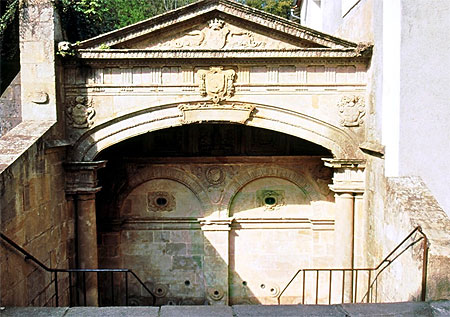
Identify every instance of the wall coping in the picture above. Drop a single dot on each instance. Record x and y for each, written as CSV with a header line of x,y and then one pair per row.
x,y
18,140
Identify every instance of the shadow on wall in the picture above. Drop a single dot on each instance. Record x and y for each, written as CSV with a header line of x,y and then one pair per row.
x,y
158,232
214,213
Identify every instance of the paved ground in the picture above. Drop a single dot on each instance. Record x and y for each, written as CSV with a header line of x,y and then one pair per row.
x,y
437,308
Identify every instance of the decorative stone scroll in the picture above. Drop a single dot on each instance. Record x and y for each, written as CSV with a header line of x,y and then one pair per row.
x,y
351,111
235,112
216,83
80,112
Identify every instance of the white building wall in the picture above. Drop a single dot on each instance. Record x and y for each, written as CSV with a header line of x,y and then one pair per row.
x,y
411,91
424,140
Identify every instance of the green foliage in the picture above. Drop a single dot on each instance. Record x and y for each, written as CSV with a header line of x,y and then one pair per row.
x,y
9,42
8,14
103,46
83,19
281,8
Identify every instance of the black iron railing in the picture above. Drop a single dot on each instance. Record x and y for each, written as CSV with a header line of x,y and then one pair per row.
x,y
348,278
77,280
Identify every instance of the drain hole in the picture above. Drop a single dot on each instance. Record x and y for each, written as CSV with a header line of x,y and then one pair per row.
x,y
187,283
244,283
159,290
216,293
161,201
270,201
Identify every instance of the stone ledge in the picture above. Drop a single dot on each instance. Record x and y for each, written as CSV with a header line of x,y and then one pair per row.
x,y
409,203
20,139
434,308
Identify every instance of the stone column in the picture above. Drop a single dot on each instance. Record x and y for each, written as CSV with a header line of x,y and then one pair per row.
x,y
216,233
81,183
348,183
343,229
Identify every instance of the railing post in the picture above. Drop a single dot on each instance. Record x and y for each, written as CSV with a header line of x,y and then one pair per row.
x,y
70,290
84,288
303,287
424,267
56,290
126,288
317,286
112,288
329,288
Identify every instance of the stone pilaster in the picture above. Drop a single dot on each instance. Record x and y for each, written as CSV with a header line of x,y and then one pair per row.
x,y
216,233
39,32
81,183
348,183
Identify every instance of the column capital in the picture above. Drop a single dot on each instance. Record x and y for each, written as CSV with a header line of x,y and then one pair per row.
x,y
345,163
349,176
216,224
81,177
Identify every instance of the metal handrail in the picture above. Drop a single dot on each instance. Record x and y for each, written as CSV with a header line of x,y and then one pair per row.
x,y
386,262
28,256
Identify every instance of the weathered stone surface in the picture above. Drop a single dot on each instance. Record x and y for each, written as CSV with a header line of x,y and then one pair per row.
x,y
440,308
10,107
388,309
113,311
196,311
415,206
34,311
288,310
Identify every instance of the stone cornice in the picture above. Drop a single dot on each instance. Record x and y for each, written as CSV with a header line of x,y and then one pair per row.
x,y
220,54
215,224
233,8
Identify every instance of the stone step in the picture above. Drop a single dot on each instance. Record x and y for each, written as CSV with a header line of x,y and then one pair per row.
x,y
434,308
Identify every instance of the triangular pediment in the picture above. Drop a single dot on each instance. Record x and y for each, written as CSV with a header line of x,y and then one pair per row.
x,y
215,25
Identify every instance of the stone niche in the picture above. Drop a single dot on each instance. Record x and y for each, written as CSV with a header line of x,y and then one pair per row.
x,y
207,229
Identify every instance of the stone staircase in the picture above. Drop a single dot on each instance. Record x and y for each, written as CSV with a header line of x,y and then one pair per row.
x,y
434,308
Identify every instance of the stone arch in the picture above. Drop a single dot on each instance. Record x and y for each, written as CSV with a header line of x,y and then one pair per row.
x,y
245,177
342,143
148,174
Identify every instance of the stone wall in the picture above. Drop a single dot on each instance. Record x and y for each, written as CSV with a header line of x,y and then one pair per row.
x,y
10,107
270,216
409,204
36,215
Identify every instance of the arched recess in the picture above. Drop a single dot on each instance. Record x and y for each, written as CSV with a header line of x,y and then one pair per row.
x,y
147,174
248,176
342,143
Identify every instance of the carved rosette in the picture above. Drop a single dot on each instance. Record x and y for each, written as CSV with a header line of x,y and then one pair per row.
x,y
351,111
216,83
214,175
80,112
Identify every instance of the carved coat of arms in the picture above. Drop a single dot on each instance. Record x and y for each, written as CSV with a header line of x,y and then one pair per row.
x,y
216,83
351,111
81,113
